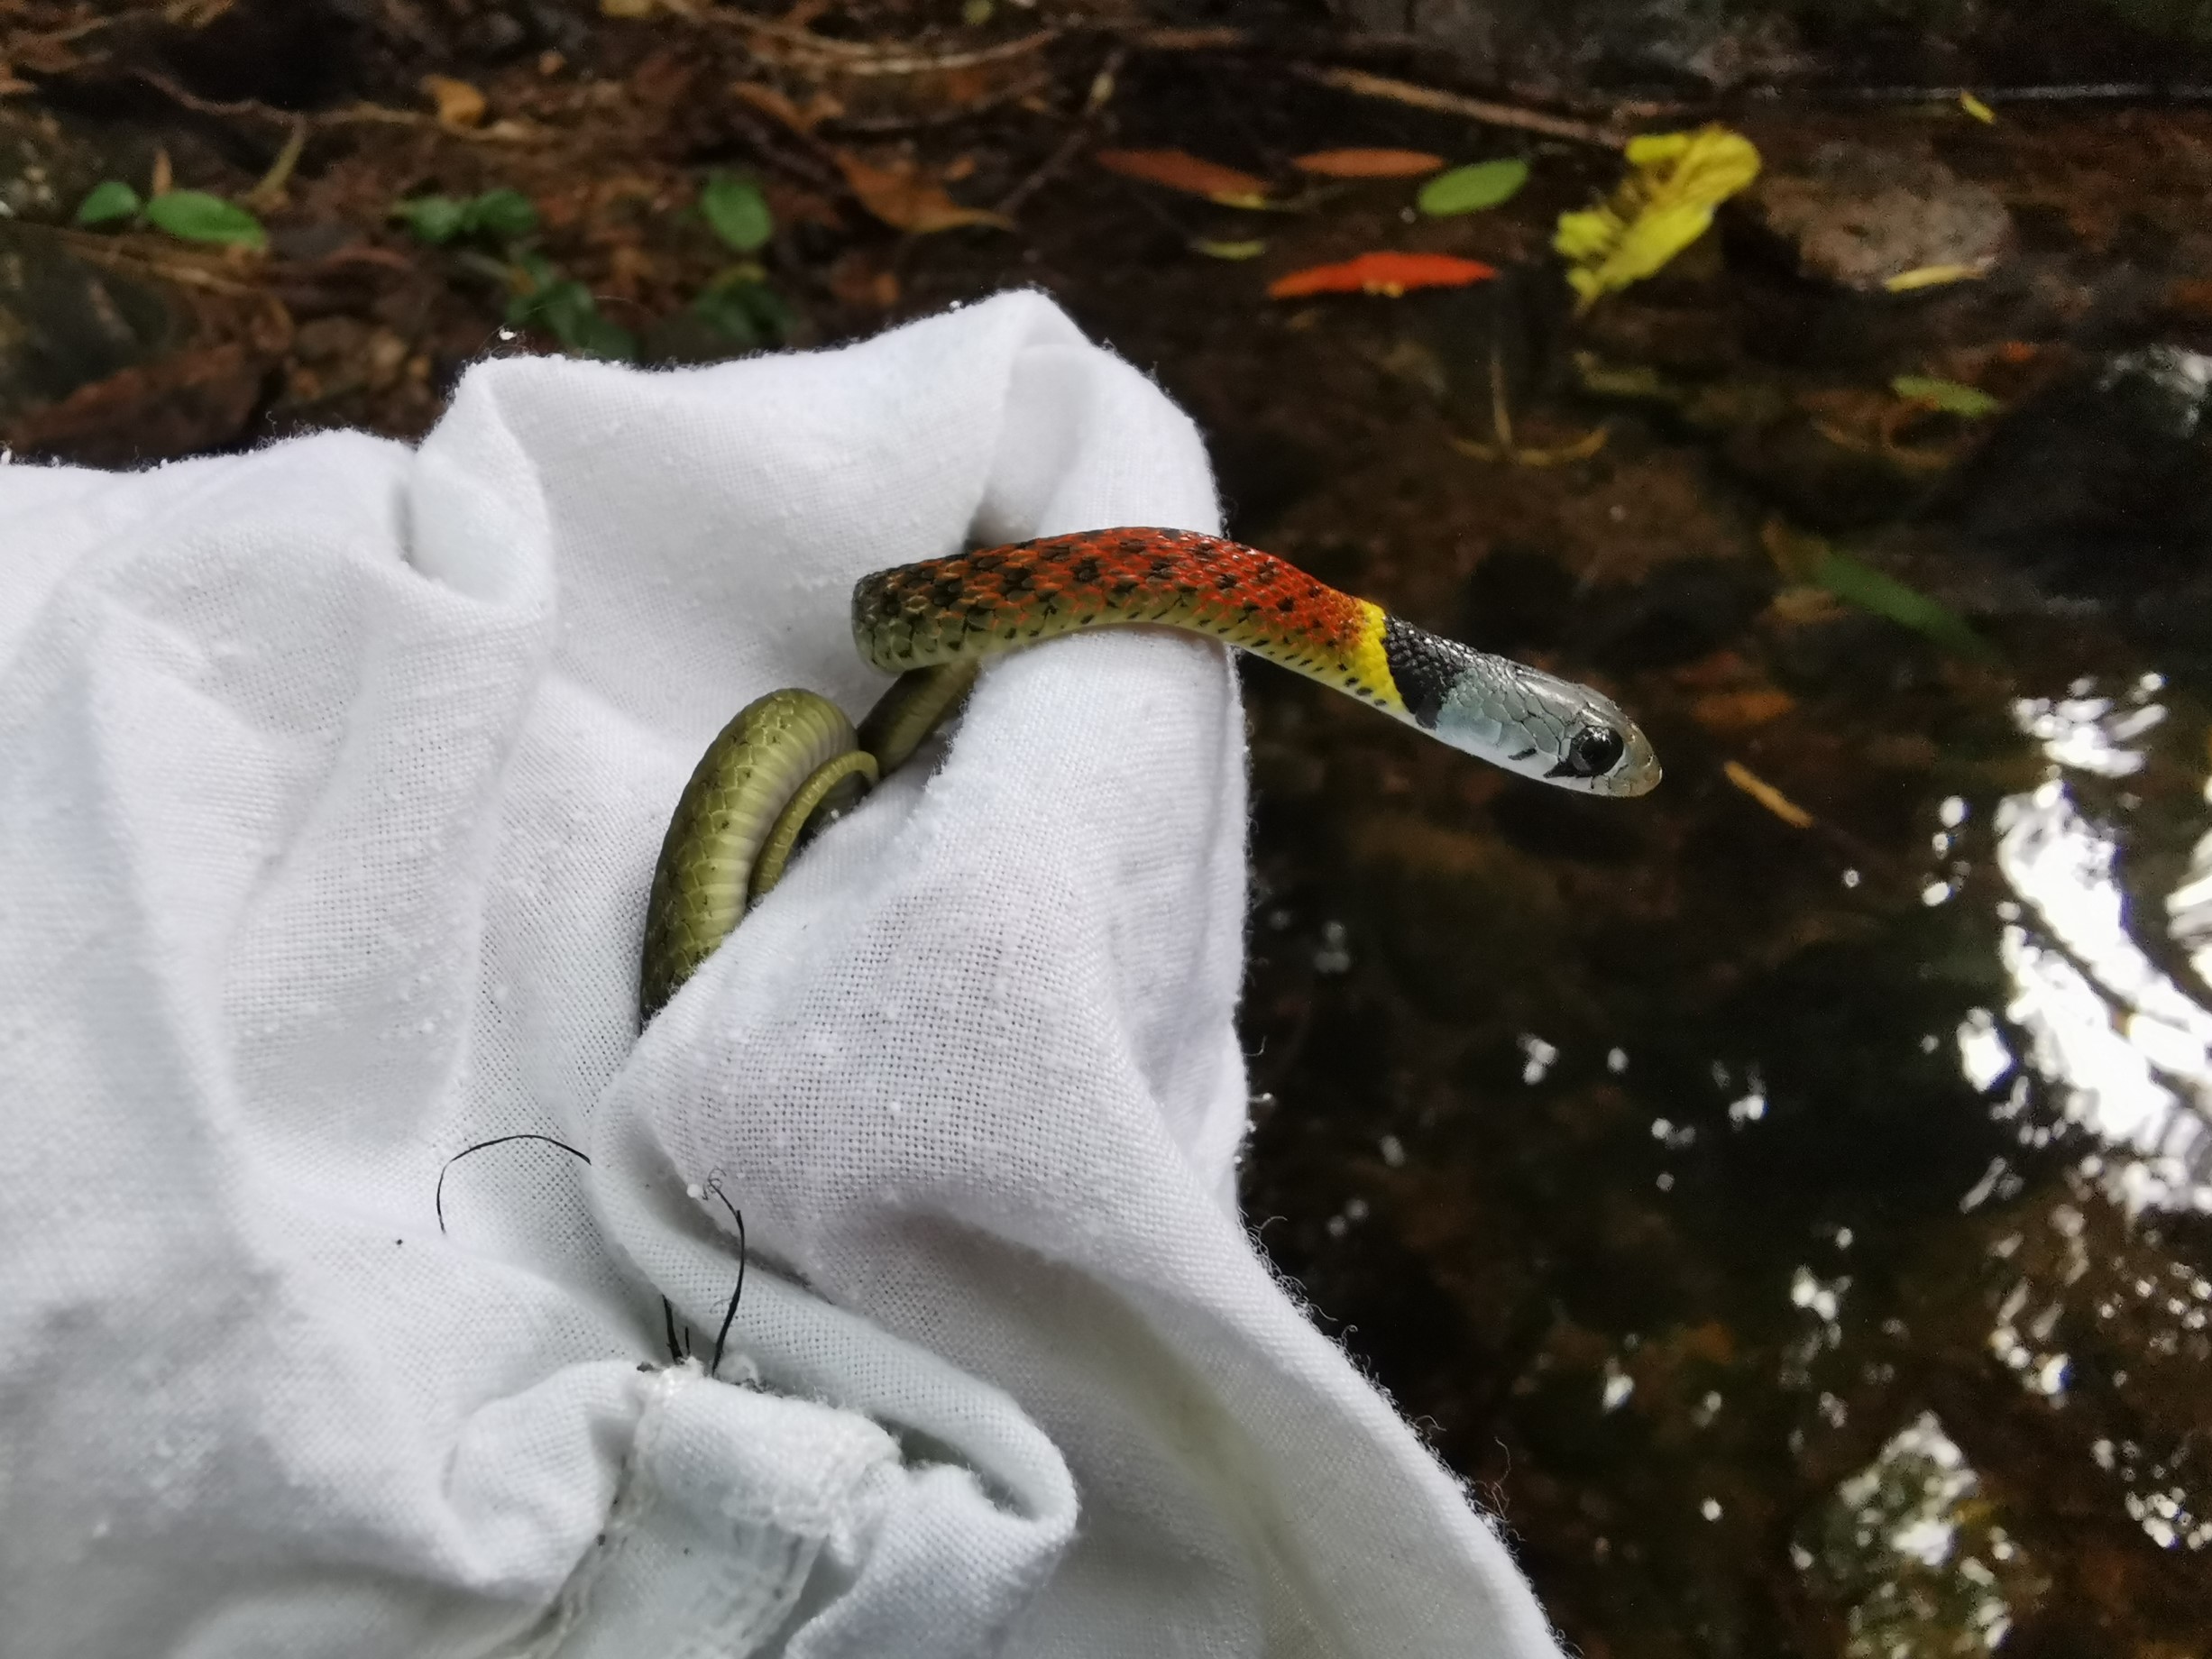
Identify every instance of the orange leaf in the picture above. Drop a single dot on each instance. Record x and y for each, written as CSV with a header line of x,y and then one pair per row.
x,y
1741,710
908,199
1369,163
1179,170
1390,274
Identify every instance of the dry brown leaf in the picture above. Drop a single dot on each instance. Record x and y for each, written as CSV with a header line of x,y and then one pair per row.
x,y
769,102
1369,163
1178,170
858,281
459,105
164,177
906,198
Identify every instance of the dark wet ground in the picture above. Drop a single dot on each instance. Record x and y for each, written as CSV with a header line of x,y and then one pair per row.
x,y
1789,1209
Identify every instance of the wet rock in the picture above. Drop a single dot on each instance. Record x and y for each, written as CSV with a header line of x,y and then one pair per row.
x,y
1851,651
65,323
1518,599
293,53
2101,488
1857,215
1797,464
44,172
187,404
1688,608
1683,42
1461,920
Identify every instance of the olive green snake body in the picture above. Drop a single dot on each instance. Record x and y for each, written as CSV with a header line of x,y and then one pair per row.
x,y
791,759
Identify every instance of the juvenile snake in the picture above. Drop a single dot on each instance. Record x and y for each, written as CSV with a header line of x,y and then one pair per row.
x,y
791,756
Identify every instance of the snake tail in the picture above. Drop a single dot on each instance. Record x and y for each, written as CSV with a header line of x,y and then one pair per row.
x,y
953,609
918,703
739,819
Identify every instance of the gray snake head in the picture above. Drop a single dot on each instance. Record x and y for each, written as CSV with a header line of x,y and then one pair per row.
x,y
1542,726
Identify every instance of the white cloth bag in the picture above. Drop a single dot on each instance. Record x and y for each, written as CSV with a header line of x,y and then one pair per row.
x,y
330,779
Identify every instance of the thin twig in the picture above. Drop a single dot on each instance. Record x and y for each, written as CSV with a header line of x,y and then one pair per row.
x,y
1094,103
110,250
270,192
353,114
879,57
1362,84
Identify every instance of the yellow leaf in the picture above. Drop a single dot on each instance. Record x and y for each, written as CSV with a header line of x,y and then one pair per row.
x,y
1229,250
459,105
1934,276
1975,107
1675,180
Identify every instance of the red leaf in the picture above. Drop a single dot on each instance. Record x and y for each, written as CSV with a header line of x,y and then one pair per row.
x,y
1390,274
1179,170
1369,163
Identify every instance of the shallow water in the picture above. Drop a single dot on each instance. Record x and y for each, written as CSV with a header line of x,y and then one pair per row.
x,y
1789,1209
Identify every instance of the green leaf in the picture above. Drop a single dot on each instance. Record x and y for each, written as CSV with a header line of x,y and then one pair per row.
x,y
1802,557
108,202
747,311
1228,250
1967,402
537,270
1470,189
564,308
595,336
1869,589
193,216
728,315
432,218
504,215
736,212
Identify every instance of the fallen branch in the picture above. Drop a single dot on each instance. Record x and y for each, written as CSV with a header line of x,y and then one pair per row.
x,y
809,50
1361,84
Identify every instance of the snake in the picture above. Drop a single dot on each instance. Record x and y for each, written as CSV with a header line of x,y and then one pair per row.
x,y
790,761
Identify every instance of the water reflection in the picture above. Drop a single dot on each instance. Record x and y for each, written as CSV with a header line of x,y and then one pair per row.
x,y
1909,1546
2127,1052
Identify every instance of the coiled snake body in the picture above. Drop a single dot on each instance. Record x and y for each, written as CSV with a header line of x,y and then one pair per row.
x,y
792,758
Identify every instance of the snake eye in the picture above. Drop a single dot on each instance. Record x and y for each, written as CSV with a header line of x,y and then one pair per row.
x,y
1593,751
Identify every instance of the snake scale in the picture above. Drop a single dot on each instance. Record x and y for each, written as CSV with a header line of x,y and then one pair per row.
x,y
791,759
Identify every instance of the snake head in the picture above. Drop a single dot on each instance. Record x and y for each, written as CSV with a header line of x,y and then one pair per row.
x,y
1545,728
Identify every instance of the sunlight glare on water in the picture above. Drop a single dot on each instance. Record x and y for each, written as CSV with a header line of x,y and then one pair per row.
x,y
2127,1049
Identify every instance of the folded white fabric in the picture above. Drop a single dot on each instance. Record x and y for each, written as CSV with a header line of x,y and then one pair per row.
x,y
330,779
